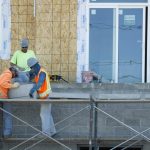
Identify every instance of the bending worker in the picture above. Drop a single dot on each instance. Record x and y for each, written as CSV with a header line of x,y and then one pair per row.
x,y
5,85
43,89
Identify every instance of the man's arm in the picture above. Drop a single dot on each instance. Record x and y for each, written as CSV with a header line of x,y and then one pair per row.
x,y
20,68
12,64
42,77
14,58
13,61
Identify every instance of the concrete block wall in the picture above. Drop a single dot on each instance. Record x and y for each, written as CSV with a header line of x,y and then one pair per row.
x,y
135,115
41,146
28,111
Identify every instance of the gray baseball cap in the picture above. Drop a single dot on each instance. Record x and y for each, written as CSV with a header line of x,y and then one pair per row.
x,y
31,62
24,42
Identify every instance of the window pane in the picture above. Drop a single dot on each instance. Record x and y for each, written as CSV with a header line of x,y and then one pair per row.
x,y
130,45
118,1
101,42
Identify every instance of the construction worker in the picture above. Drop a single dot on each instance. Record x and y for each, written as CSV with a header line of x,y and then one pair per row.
x,y
5,85
19,60
43,89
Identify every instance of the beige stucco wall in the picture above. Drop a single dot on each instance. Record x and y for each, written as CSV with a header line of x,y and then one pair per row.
x,y
52,33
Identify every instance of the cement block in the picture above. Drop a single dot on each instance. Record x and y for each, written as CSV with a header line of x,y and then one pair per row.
x,y
132,122
22,91
111,122
122,132
105,132
145,122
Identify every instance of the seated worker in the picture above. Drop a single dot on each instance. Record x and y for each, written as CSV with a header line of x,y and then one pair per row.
x,y
5,85
19,59
43,89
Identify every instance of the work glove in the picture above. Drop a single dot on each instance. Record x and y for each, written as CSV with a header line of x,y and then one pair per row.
x,y
30,95
15,85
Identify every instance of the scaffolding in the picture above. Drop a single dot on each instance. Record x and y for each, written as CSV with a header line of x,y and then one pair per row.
x,y
92,107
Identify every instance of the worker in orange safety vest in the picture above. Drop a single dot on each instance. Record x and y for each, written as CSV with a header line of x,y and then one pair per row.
x,y
43,89
5,85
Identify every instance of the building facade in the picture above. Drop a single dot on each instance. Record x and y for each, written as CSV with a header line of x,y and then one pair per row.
x,y
110,38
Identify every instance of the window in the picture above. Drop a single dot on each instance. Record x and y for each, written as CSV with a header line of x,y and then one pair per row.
x,y
101,33
111,42
103,49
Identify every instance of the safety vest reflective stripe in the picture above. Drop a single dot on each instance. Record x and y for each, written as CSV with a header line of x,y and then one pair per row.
x,y
45,93
45,89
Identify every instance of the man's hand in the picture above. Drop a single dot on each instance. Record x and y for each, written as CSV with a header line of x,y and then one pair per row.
x,y
30,95
15,85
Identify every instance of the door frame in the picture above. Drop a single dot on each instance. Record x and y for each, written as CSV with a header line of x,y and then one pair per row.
x,y
117,7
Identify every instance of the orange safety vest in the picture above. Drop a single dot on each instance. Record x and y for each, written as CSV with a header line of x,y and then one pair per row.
x,y
45,89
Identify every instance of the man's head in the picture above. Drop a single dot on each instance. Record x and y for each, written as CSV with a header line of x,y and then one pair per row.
x,y
14,72
34,65
32,62
24,43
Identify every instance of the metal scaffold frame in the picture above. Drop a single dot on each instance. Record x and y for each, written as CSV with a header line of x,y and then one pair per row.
x,y
92,103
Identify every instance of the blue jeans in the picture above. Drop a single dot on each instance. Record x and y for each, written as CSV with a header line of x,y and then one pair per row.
x,y
7,119
48,125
